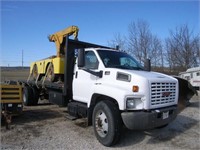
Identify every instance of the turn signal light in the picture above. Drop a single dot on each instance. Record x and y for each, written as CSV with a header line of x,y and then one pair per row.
x,y
135,88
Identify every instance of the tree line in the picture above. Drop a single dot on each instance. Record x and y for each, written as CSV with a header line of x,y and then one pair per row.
x,y
178,52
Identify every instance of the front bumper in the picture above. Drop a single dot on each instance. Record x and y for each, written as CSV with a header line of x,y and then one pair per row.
x,y
150,119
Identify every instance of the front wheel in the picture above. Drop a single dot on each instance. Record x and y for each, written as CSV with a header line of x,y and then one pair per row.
x,y
107,123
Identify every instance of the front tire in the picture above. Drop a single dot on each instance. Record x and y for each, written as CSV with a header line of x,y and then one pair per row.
x,y
107,123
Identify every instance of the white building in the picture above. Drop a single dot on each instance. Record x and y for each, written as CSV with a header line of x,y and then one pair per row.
x,y
193,76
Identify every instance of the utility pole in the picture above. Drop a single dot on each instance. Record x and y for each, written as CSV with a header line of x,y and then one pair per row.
x,y
22,58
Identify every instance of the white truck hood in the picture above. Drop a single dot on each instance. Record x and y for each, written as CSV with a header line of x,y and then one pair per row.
x,y
152,76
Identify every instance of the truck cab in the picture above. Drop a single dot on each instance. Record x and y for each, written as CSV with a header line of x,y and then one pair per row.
x,y
121,77
143,99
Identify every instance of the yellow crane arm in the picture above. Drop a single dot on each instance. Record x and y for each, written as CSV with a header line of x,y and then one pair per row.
x,y
59,36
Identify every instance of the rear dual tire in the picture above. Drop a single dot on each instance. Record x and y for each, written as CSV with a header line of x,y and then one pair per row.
x,y
30,96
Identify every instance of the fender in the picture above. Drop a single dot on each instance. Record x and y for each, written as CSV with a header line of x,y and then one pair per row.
x,y
116,93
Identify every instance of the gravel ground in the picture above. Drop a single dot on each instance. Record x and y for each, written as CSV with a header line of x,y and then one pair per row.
x,y
46,127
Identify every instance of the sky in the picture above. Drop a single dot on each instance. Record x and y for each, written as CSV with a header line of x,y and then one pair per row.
x,y
26,24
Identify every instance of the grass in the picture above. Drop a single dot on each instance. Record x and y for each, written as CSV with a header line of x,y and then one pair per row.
x,y
14,74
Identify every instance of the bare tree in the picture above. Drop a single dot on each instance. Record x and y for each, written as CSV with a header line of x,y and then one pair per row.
x,y
183,49
142,44
119,41
156,52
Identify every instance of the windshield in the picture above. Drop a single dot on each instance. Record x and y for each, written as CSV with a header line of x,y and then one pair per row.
x,y
117,59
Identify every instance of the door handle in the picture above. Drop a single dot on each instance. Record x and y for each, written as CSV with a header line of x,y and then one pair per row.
x,y
76,75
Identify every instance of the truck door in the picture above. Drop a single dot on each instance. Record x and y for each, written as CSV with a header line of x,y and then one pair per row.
x,y
84,82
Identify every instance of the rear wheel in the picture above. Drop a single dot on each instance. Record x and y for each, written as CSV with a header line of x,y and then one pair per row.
x,y
107,123
35,92
28,96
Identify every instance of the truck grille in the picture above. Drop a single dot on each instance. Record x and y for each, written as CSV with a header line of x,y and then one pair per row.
x,y
163,93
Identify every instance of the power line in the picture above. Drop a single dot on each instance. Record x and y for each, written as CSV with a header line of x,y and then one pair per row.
x,y
22,58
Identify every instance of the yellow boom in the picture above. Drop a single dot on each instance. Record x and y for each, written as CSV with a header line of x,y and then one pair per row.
x,y
59,36
52,68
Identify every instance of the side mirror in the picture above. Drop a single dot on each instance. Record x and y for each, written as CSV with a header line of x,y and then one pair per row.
x,y
81,57
147,65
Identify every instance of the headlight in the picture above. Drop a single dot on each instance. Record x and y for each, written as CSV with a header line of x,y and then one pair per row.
x,y
132,103
123,77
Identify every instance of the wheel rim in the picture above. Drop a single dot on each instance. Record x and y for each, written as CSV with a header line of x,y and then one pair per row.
x,y
50,75
35,72
101,123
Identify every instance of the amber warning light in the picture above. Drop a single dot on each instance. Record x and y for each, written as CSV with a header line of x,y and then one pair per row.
x,y
135,88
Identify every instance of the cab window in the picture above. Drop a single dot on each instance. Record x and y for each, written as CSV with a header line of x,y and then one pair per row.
x,y
91,61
